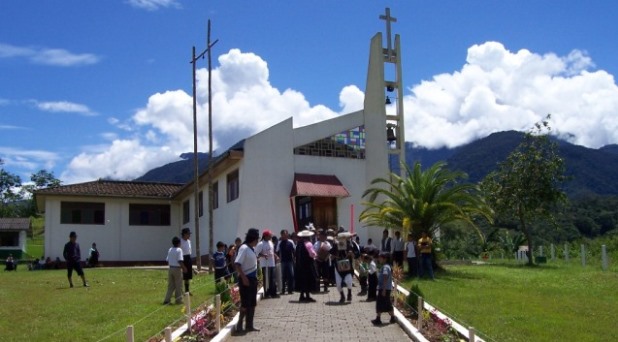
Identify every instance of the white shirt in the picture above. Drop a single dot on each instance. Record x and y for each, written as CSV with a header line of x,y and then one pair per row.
x,y
185,245
398,245
174,257
246,257
372,267
410,245
266,253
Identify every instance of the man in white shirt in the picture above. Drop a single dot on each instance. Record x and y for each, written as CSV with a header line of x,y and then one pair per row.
x,y
265,251
322,249
246,268
174,275
398,248
185,245
411,257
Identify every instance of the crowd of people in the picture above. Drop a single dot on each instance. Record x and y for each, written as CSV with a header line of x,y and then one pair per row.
x,y
315,260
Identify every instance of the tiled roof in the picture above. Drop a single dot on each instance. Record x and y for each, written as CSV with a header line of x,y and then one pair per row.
x,y
115,188
317,186
14,223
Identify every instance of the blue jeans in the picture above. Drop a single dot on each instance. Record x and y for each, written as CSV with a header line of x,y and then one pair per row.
x,y
426,265
287,273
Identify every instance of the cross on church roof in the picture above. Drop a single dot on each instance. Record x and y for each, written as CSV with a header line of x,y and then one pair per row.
x,y
388,20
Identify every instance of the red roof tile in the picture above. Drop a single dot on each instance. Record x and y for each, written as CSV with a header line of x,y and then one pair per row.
x,y
317,186
7,223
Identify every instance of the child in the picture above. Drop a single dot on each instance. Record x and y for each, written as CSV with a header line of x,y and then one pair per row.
x,y
176,269
385,286
363,270
221,270
372,278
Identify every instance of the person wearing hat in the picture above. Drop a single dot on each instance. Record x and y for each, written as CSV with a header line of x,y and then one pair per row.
x,y
265,251
246,268
343,252
185,245
322,248
305,274
73,256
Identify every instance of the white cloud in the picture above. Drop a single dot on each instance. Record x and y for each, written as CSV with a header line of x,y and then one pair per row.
x,y
498,90
29,160
64,107
495,90
153,5
46,56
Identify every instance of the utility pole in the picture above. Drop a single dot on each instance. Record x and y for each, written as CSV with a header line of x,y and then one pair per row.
x,y
209,174
196,179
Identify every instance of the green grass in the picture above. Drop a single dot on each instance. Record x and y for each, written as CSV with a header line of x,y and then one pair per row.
x,y
509,302
39,305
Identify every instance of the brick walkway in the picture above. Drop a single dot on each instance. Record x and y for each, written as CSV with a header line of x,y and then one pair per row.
x,y
285,319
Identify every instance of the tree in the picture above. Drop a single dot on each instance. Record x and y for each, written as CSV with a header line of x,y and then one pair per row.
x,y
41,179
528,183
8,184
423,200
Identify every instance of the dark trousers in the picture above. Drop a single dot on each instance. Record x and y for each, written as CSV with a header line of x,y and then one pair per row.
x,y
324,272
412,267
373,286
398,258
272,284
287,275
363,282
426,265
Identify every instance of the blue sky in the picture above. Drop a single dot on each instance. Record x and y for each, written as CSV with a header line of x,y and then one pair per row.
x,y
92,89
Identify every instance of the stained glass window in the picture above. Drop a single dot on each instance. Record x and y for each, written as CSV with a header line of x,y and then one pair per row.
x,y
347,144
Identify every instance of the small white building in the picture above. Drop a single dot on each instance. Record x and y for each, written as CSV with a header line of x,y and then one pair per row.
x,y
13,236
280,178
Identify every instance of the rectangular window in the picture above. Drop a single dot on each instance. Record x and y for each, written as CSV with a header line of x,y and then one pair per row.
x,y
233,186
186,211
9,239
215,195
201,202
149,215
82,213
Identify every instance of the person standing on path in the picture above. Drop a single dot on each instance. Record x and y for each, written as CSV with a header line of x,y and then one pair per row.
x,y
265,251
424,245
185,245
285,249
246,268
398,248
73,257
323,260
411,257
385,287
386,242
343,252
174,275
306,275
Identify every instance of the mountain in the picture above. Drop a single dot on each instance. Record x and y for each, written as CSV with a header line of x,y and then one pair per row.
x,y
590,170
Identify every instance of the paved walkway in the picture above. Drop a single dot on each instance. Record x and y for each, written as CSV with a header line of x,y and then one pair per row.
x,y
285,319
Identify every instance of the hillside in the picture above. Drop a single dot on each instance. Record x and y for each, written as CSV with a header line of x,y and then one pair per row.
x,y
591,170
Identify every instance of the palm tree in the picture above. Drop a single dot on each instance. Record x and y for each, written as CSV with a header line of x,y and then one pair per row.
x,y
423,200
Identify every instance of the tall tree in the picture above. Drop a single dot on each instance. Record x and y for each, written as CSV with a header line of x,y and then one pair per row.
x,y
41,179
423,200
8,184
528,183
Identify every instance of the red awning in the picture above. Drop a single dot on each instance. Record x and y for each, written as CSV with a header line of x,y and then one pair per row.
x,y
317,186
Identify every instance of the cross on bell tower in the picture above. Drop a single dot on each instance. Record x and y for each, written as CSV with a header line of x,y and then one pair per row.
x,y
388,19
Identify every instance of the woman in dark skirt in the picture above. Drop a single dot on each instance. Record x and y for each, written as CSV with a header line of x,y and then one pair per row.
x,y
305,274
385,286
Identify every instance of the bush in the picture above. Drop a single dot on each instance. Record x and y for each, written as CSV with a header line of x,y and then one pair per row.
x,y
415,292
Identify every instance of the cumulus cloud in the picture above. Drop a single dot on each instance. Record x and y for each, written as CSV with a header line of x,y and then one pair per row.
x,y
64,107
28,159
495,90
153,5
46,56
498,90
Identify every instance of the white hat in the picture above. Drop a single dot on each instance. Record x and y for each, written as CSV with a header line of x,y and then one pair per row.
x,y
305,233
344,235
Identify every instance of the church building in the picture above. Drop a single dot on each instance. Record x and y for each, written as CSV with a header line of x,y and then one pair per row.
x,y
280,178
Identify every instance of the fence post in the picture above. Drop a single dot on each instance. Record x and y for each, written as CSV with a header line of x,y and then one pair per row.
x,y
168,334
604,257
471,334
130,337
566,252
188,311
419,321
583,248
266,279
553,252
278,277
541,250
218,308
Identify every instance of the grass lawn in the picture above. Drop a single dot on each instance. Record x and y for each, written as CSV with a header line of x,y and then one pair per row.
x,y
40,306
510,302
